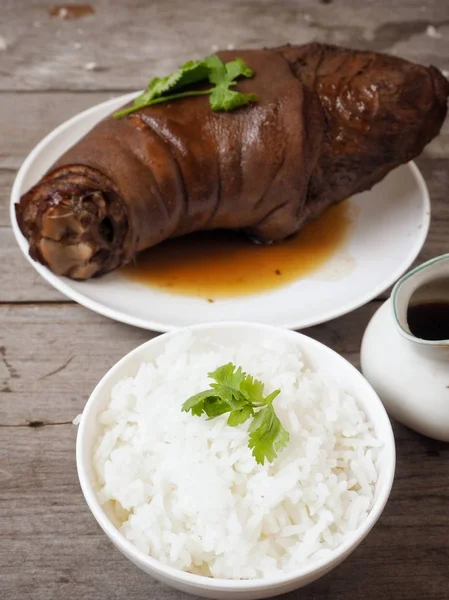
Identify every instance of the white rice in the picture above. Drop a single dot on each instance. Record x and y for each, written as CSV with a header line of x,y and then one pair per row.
x,y
188,492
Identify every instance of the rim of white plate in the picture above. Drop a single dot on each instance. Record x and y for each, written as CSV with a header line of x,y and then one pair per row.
x,y
60,284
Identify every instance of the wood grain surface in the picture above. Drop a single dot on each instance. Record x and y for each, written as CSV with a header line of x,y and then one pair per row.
x,y
53,352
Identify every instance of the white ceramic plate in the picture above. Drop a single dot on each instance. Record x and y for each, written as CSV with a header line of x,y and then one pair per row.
x,y
390,228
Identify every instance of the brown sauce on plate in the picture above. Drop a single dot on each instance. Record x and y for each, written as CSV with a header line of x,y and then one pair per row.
x,y
223,263
429,320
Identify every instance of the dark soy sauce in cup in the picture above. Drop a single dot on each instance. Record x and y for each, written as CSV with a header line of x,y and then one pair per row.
x,y
429,320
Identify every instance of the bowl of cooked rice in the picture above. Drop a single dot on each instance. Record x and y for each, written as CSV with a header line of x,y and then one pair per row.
x,y
235,459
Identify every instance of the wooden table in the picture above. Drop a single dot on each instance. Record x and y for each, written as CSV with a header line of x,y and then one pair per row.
x,y
52,352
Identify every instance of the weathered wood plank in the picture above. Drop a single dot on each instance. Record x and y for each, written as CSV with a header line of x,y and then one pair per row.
x,y
27,118
131,41
6,181
19,282
68,350
47,526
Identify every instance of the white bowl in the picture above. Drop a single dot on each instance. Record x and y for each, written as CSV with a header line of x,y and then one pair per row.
x,y
317,356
